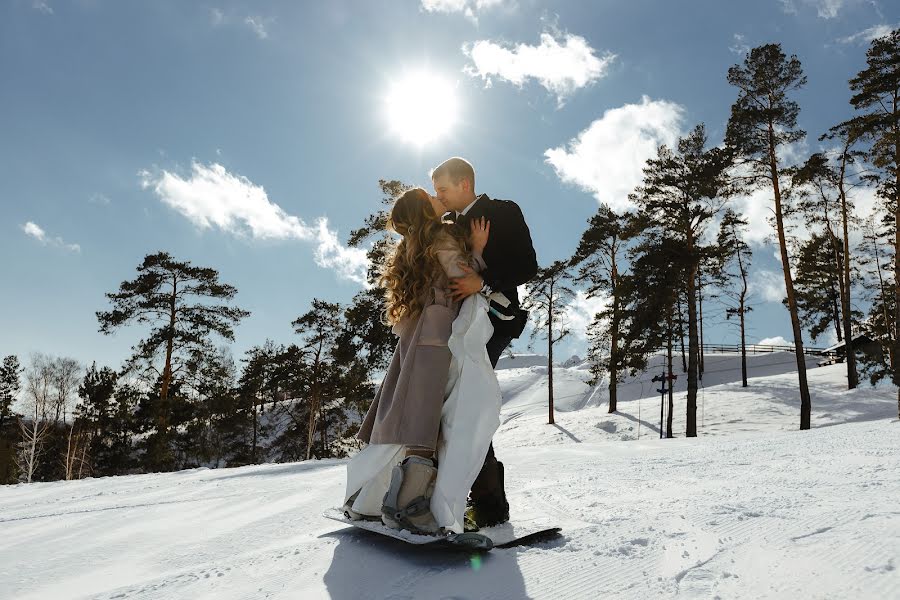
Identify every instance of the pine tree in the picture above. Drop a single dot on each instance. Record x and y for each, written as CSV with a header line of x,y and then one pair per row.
x,y
10,385
210,390
172,297
546,299
763,122
319,329
877,102
874,255
826,206
95,416
119,456
681,192
263,381
734,251
656,280
816,284
599,260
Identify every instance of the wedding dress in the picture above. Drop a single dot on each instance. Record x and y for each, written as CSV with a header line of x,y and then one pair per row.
x,y
469,418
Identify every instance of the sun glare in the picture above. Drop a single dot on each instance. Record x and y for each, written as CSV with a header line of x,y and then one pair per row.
x,y
421,108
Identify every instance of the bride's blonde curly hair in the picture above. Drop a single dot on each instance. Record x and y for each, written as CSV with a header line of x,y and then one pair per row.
x,y
412,266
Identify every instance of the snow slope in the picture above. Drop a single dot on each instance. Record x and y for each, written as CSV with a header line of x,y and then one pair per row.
x,y
750,509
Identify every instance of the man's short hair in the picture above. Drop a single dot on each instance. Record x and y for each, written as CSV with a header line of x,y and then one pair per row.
x,y
457,168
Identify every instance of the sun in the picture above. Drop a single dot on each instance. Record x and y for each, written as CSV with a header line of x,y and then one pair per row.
x,y
421,108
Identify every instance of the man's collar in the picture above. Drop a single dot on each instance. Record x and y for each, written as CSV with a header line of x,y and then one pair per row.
x,y
469,207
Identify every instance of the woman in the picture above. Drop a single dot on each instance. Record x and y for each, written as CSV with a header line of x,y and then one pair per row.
x,y
404,420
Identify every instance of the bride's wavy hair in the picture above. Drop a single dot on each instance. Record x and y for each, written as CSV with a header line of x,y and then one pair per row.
x,y
412,267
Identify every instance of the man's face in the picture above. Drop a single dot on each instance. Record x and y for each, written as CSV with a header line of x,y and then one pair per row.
x,y
454,196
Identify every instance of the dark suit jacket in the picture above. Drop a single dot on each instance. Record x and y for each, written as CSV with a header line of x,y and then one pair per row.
x,y
510,257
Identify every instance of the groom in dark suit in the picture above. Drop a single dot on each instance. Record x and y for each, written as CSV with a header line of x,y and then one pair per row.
x,y
511,262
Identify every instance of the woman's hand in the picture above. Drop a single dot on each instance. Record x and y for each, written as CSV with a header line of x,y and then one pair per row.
x,y
481,229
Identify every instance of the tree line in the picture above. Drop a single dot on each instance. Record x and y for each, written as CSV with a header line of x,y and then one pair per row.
x,y
182,401
684,241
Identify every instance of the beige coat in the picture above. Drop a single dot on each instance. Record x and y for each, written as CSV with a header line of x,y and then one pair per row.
x,y
407,408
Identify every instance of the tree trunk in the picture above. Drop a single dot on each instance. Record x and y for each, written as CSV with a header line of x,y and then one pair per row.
x,y
550,355
163,416
614,346
670,379
693,340
743,298
684,366
805,401
852,377
896,344
255,427
700,305
314,403
836,313
888,325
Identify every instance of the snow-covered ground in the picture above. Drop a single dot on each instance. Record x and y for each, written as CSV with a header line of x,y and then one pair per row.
x,y
752,508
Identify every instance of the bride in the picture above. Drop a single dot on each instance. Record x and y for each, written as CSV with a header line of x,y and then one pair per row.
x,y
429,426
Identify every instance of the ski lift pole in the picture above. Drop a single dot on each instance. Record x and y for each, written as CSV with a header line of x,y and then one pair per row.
x,y
662,400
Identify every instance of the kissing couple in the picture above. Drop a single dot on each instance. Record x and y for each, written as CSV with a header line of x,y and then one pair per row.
x,y
450,295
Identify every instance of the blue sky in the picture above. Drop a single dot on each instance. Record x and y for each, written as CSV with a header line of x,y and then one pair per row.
x,y
224,132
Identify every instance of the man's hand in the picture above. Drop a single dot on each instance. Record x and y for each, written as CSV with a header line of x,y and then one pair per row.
x,y
463,287
481,230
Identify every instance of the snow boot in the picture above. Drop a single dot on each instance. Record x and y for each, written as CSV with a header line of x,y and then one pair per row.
x,y
491,508
407,503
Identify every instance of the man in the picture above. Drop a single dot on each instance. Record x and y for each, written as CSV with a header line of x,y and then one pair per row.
x,y
511,262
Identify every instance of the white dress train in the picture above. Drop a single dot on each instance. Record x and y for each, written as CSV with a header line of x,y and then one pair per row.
x,y
469,418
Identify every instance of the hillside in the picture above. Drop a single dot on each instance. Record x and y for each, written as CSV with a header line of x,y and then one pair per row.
x,y
752,508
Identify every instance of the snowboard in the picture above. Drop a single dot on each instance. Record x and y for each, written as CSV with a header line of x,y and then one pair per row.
x,y
519,533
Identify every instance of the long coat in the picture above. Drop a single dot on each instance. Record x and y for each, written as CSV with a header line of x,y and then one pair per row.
x,y
407,407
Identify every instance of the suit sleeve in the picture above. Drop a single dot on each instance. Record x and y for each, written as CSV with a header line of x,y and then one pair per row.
x,y
520,265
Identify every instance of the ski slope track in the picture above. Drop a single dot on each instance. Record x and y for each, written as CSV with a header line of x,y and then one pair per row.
x,y
752,508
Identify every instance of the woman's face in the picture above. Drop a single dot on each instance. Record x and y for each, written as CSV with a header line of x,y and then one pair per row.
x,y
439,208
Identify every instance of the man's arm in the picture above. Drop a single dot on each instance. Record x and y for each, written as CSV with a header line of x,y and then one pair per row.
x,y
519,264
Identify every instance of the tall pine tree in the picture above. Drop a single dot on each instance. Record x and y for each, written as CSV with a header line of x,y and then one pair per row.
x,y
876,99
599,259
174,299
763,123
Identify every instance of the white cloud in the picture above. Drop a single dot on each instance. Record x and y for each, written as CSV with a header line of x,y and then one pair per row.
x,y
867,35
258,25
607,158
214,198
445,6
740,46
825,9
774,341
469,8
99,199
757,208
767,284
562,65
581,310
42,6
35,231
